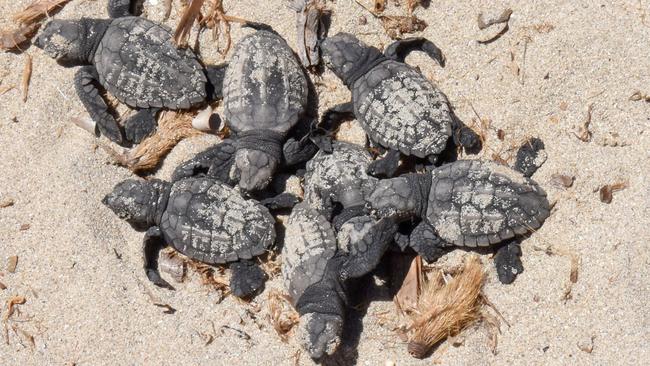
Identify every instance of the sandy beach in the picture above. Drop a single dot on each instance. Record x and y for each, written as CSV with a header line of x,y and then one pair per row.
x,y
79,267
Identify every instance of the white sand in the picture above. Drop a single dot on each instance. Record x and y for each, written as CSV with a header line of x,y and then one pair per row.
x,y
91,308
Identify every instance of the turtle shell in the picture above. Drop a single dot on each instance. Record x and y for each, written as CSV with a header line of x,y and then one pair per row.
x,y
401,110
339,175
479,203
138,64
207,220
309,244
264,86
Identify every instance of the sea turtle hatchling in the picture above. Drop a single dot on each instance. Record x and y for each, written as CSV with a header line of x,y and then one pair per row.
x,y
339,177
202,218
135,60
467,203
396,105
265,94
316,268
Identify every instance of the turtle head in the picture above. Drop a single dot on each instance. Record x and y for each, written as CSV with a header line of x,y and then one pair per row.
x,y
136,201
255,169
63,41
320,333
347,56
403,197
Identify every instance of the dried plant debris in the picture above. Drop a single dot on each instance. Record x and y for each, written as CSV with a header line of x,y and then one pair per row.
x,y
27,75
237,332
380,6
397,25
502,18
172,128
167,308
216,19
6,202
12,262
583,133
639,96
606,191
562,180
11,39
406,298
445,309
38,10
281,314
310,28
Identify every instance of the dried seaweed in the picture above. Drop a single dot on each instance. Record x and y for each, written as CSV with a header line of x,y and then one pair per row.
x,y
37,10
446,309
27,75
281,314
396,26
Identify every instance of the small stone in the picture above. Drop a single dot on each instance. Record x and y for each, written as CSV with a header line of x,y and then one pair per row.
x,y
562,181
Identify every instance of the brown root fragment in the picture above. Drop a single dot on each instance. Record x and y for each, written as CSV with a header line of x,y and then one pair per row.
x,y
310,29
11,39
37,10
184,27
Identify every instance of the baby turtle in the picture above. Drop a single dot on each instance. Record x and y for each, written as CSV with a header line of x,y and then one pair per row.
x,y
135,60
397,106
265,94
339,178
316,270
467,203
202,218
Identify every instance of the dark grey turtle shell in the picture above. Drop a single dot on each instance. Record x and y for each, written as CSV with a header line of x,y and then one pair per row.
x,y
264,86
401,110
309,244
138,64
341,175
478,203
209,221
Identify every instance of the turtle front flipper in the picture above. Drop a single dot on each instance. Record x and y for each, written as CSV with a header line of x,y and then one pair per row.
x,y
215,162
426,242
387,166
321,133
464,136
215,75
364,255
140,125
530,157
86,81
124,8
298,151
151,246
508,261
398,50
247,279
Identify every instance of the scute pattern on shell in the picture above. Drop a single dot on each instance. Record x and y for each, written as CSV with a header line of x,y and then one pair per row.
x,y
342,170
264,86
138,64
309,244
210,221
478,203
400,109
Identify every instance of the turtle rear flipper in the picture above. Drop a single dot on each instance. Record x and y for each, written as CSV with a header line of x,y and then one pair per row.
x,y
321,133
530,157
140,125
247,279
86,81
124,8
387,166
398,50
426,242
151,246
508,262
215,162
